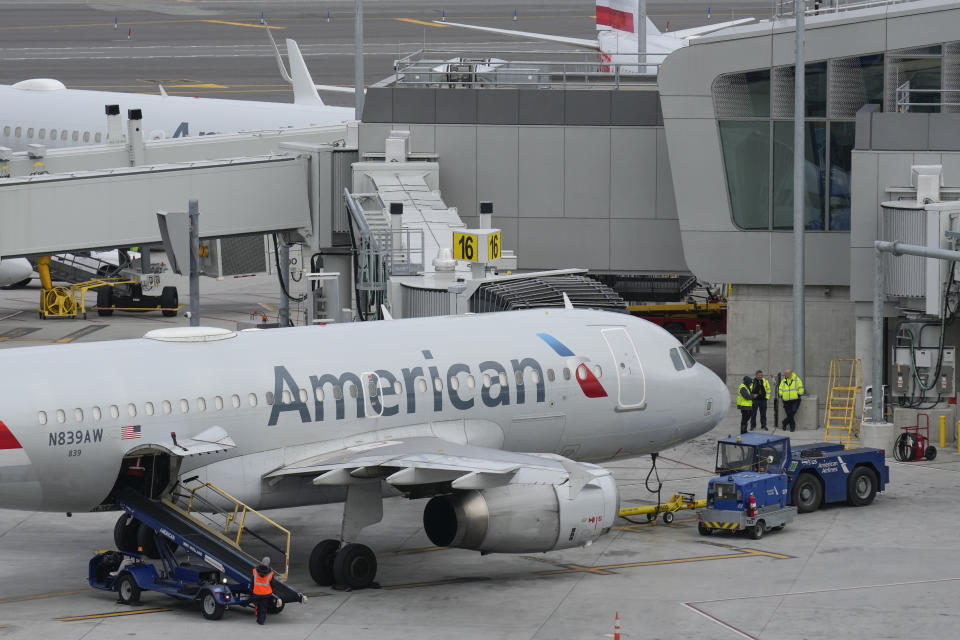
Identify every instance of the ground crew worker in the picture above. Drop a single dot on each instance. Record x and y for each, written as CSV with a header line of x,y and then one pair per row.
x,y
791,389
262,591
745,402
761,391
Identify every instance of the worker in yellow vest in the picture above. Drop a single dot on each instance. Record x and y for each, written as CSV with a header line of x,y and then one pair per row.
x,y
761,393
791,390
745,402
262,591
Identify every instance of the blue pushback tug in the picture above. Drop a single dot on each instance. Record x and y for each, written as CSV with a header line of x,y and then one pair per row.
x,y
762,481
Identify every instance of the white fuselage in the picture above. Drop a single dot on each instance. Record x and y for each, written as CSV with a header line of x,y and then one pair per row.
x,y
60,117
505,381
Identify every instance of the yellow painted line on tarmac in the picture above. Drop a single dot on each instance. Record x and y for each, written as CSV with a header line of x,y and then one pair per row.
x,y
197,86
433,583
404,552
241,24
39,596
606,569
94,25
79,333
113,614
423,22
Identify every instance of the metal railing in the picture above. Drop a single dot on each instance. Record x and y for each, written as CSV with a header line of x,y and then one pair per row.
x,y
541,70
229,516
905,98
786,8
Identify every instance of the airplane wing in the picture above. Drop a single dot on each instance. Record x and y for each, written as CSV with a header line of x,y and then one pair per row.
x,y
694,32
407,462
576,42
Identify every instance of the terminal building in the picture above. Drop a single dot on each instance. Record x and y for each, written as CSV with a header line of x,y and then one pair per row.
x,y
686,171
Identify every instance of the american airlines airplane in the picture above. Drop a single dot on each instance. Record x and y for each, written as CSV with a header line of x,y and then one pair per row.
x,y
15,272
497,418
618,23
44,111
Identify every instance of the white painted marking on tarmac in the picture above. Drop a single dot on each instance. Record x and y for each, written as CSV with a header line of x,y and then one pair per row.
x,y
720,622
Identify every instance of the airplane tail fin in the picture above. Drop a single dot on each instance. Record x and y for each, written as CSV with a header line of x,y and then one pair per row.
x,y
303,90
622,15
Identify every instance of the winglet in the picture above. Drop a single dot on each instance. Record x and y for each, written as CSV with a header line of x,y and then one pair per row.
x,y
566,302
304,93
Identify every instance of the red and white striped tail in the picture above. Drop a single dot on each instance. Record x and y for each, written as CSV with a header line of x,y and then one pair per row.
x,y
618,15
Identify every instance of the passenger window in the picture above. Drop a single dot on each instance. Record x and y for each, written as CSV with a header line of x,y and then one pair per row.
x,y
352,390
287,397
42,133
677,360
337,392
53,134
597,371
132,410
78,415
421,385
42,417
687,358
218,402
318,392
6,131
535,377
519,377
582,372
455,383
503,379
30,132
438,384
487,381
184,405
471,382
566,373
114,411
235,401
551,376
96,138
167,407
252,399
76,135
61,416
148,408
269,395
17,131
96,413
372,388
303,395
86,136
397,388
201,404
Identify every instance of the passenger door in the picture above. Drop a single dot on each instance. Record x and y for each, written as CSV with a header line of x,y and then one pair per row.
x,y
631,386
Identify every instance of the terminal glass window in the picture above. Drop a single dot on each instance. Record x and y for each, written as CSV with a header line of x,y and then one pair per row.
x,y
914,76
814,171
815,90
842,136
855,82
746,159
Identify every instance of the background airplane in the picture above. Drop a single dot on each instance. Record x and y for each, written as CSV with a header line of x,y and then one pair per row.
x,y
618,24
44,111
495,417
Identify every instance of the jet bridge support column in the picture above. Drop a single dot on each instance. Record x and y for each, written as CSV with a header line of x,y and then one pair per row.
x,y
283,264
194,212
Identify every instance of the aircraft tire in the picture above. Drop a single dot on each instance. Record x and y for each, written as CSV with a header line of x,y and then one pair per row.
x,y
125,533
321,562
355,566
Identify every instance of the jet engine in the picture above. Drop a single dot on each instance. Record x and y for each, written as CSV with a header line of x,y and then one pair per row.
x,y
523,518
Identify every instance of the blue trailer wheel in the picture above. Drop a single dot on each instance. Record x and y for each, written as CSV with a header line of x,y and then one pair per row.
x,y
209,607
127,589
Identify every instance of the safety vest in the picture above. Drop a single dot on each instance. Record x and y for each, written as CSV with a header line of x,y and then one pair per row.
x,y
791,388
741,401
766,389
261,584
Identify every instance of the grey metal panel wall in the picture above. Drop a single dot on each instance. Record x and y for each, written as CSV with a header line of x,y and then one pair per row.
x,y
457,148
498,169
666,199
540,107
541,172
498,107
564,242
634,173
587,108
657,241
586,182
901,131
415,106
457,107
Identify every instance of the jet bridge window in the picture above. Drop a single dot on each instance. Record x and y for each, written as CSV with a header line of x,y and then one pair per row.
x,y
677,360
42,417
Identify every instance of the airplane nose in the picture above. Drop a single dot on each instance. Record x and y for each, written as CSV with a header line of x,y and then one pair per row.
x,y
721,397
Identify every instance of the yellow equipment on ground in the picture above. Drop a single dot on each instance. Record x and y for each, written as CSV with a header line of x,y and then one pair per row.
x,y
843,387
677,502
68,302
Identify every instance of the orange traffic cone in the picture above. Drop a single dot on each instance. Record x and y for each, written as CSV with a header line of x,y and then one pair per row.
x,y
616,626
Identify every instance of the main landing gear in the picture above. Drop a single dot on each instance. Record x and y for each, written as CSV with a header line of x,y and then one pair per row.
x,y
350,565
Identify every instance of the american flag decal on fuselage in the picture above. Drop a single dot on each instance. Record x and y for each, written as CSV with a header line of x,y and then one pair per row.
x,y
129,432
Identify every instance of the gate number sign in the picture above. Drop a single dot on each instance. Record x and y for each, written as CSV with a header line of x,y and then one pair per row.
x,y
479,245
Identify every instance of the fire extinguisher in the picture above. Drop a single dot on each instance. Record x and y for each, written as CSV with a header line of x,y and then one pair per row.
x,y
752,506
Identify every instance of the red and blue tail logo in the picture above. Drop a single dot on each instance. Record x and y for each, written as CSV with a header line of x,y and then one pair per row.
x,y
585,377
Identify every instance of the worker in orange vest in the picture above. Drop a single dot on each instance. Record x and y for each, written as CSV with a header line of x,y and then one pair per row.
x,y
262,591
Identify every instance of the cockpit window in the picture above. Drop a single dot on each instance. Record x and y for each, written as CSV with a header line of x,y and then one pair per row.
x,y
687,358
677,360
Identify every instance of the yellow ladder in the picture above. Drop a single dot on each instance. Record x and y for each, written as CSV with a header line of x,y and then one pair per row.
x,y
844,385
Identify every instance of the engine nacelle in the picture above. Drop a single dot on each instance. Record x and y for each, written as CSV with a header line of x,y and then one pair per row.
x,y
522,518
